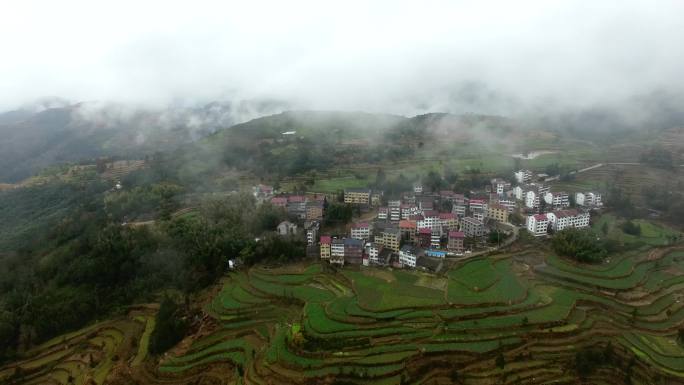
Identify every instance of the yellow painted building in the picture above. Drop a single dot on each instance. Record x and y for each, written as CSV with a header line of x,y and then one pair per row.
x,y
498,213
357,196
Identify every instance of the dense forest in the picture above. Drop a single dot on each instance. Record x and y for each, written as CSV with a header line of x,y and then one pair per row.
x,y
86,262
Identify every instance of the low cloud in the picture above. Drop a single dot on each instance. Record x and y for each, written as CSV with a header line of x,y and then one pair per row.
x,y
495,57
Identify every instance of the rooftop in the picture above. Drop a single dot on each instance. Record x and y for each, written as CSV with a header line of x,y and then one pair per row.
x,y
565,213
407,224
472,220
357,190
430,213
353,242
456,234
296,198
325,239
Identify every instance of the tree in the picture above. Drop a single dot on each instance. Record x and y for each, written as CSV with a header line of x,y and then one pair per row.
x,y
380,178
169,327
433,181
338,213
578,244
604,228
500,361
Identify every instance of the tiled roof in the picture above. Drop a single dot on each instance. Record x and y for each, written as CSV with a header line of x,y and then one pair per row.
x,y
540,217
353,242
430,213
325,239
565,213
360,225
296,198
456,234
404,224
425,230
447,216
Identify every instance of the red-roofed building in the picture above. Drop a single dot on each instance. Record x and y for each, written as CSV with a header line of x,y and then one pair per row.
x,y
563,219
361,230
455,242
424,237
279,201
431,220
538,224
477,205
326,240
448,221
408,230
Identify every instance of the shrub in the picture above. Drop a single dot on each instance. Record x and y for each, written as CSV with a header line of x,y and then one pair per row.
x,y
631,228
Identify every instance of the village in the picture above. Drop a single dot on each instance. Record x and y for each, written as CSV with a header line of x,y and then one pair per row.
x,y
420,228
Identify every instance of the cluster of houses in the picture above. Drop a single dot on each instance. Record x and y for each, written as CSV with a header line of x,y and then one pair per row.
x,y
550,211
418,228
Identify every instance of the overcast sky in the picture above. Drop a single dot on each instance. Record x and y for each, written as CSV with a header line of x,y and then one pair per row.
x,y
391,56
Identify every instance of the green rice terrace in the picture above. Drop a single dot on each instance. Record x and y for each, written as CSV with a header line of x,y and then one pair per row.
x,y
522,317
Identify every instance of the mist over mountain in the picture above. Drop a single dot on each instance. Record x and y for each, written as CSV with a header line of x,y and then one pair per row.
x,y
44,134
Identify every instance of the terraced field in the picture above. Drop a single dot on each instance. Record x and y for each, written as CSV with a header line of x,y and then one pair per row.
x,y
310,324
87,356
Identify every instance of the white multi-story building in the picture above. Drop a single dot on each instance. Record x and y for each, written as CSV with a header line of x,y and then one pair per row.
x,y
477,205
588,199
337,251
472,227
435,239
383,213
499,186
312,232
373,251
538,224
530,194
479,215
394,207
361,230
459,210
557,199
407,210
431,221
408,256
523,176
564,219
